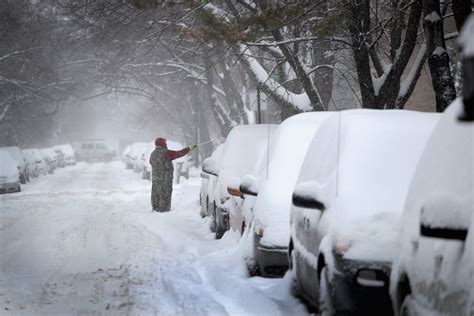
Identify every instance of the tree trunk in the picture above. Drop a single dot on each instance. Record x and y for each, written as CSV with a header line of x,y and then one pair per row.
x,y
438,58
359,24
461,10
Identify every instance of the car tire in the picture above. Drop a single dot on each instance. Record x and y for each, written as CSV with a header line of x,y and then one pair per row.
x,y
244,226
291,268
325,304
253,268
213,223
408,307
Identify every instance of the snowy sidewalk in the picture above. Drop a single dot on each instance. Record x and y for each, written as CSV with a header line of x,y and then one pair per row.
x,y
84,241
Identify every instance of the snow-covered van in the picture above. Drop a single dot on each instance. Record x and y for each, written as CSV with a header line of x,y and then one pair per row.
x,y
95,149
268,214
347,205
242,150
433,272
9,175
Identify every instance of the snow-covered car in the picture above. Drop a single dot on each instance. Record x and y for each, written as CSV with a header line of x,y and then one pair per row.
x,y
242,150
15,153
207,184
181,165
268,214
49,159
30,159
139,162
9,175
433,272
43,167
347,204
68,154
132,154
146,172
94,149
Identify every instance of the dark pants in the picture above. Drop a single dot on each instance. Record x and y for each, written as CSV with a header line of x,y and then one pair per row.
x,y
161,196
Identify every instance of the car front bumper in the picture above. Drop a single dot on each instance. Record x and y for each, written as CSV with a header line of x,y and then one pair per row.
x,y
361,287
9,187
272,261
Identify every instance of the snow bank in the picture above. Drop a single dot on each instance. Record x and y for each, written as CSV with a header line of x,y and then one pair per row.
x,y
277,179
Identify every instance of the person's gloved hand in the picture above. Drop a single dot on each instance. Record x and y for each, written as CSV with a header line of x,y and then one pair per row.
x,y
192,147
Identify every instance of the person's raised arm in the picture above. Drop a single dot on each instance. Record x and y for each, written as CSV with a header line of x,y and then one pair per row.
x,y
175,154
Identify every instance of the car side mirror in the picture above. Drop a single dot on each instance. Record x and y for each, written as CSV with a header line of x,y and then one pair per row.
x,y
444,219
209,166
305,195
249,185
233,187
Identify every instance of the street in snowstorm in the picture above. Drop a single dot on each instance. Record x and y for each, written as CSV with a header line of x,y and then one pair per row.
x,y
83,241
239,157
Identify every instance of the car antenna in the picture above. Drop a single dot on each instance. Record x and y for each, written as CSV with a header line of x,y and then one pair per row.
x,y
268,149
338,151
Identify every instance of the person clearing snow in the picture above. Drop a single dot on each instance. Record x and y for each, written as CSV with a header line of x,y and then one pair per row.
x,y
162,174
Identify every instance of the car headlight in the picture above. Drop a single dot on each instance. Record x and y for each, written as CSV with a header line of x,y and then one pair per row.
x,y
342,246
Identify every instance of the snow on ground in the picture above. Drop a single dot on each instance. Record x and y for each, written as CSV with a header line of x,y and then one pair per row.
x,y
84,241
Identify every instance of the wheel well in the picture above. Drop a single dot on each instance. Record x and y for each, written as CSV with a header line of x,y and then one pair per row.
x,y
403,289
321,265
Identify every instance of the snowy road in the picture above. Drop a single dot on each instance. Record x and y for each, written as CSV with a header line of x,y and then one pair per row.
x,y
84,241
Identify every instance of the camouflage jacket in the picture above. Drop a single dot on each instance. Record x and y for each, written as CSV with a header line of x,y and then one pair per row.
x,y
161,163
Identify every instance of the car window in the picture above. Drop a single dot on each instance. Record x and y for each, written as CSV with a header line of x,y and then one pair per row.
x,y
84,146
99,146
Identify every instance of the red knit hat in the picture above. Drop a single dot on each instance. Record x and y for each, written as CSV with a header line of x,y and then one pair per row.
x,y
160,142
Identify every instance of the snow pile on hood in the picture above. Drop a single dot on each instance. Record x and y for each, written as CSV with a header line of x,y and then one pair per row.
x,y
377,153
287,150
8,166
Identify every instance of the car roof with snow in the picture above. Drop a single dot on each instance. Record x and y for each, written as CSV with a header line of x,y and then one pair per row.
x,y
362,162
445,172
242,149
278,174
